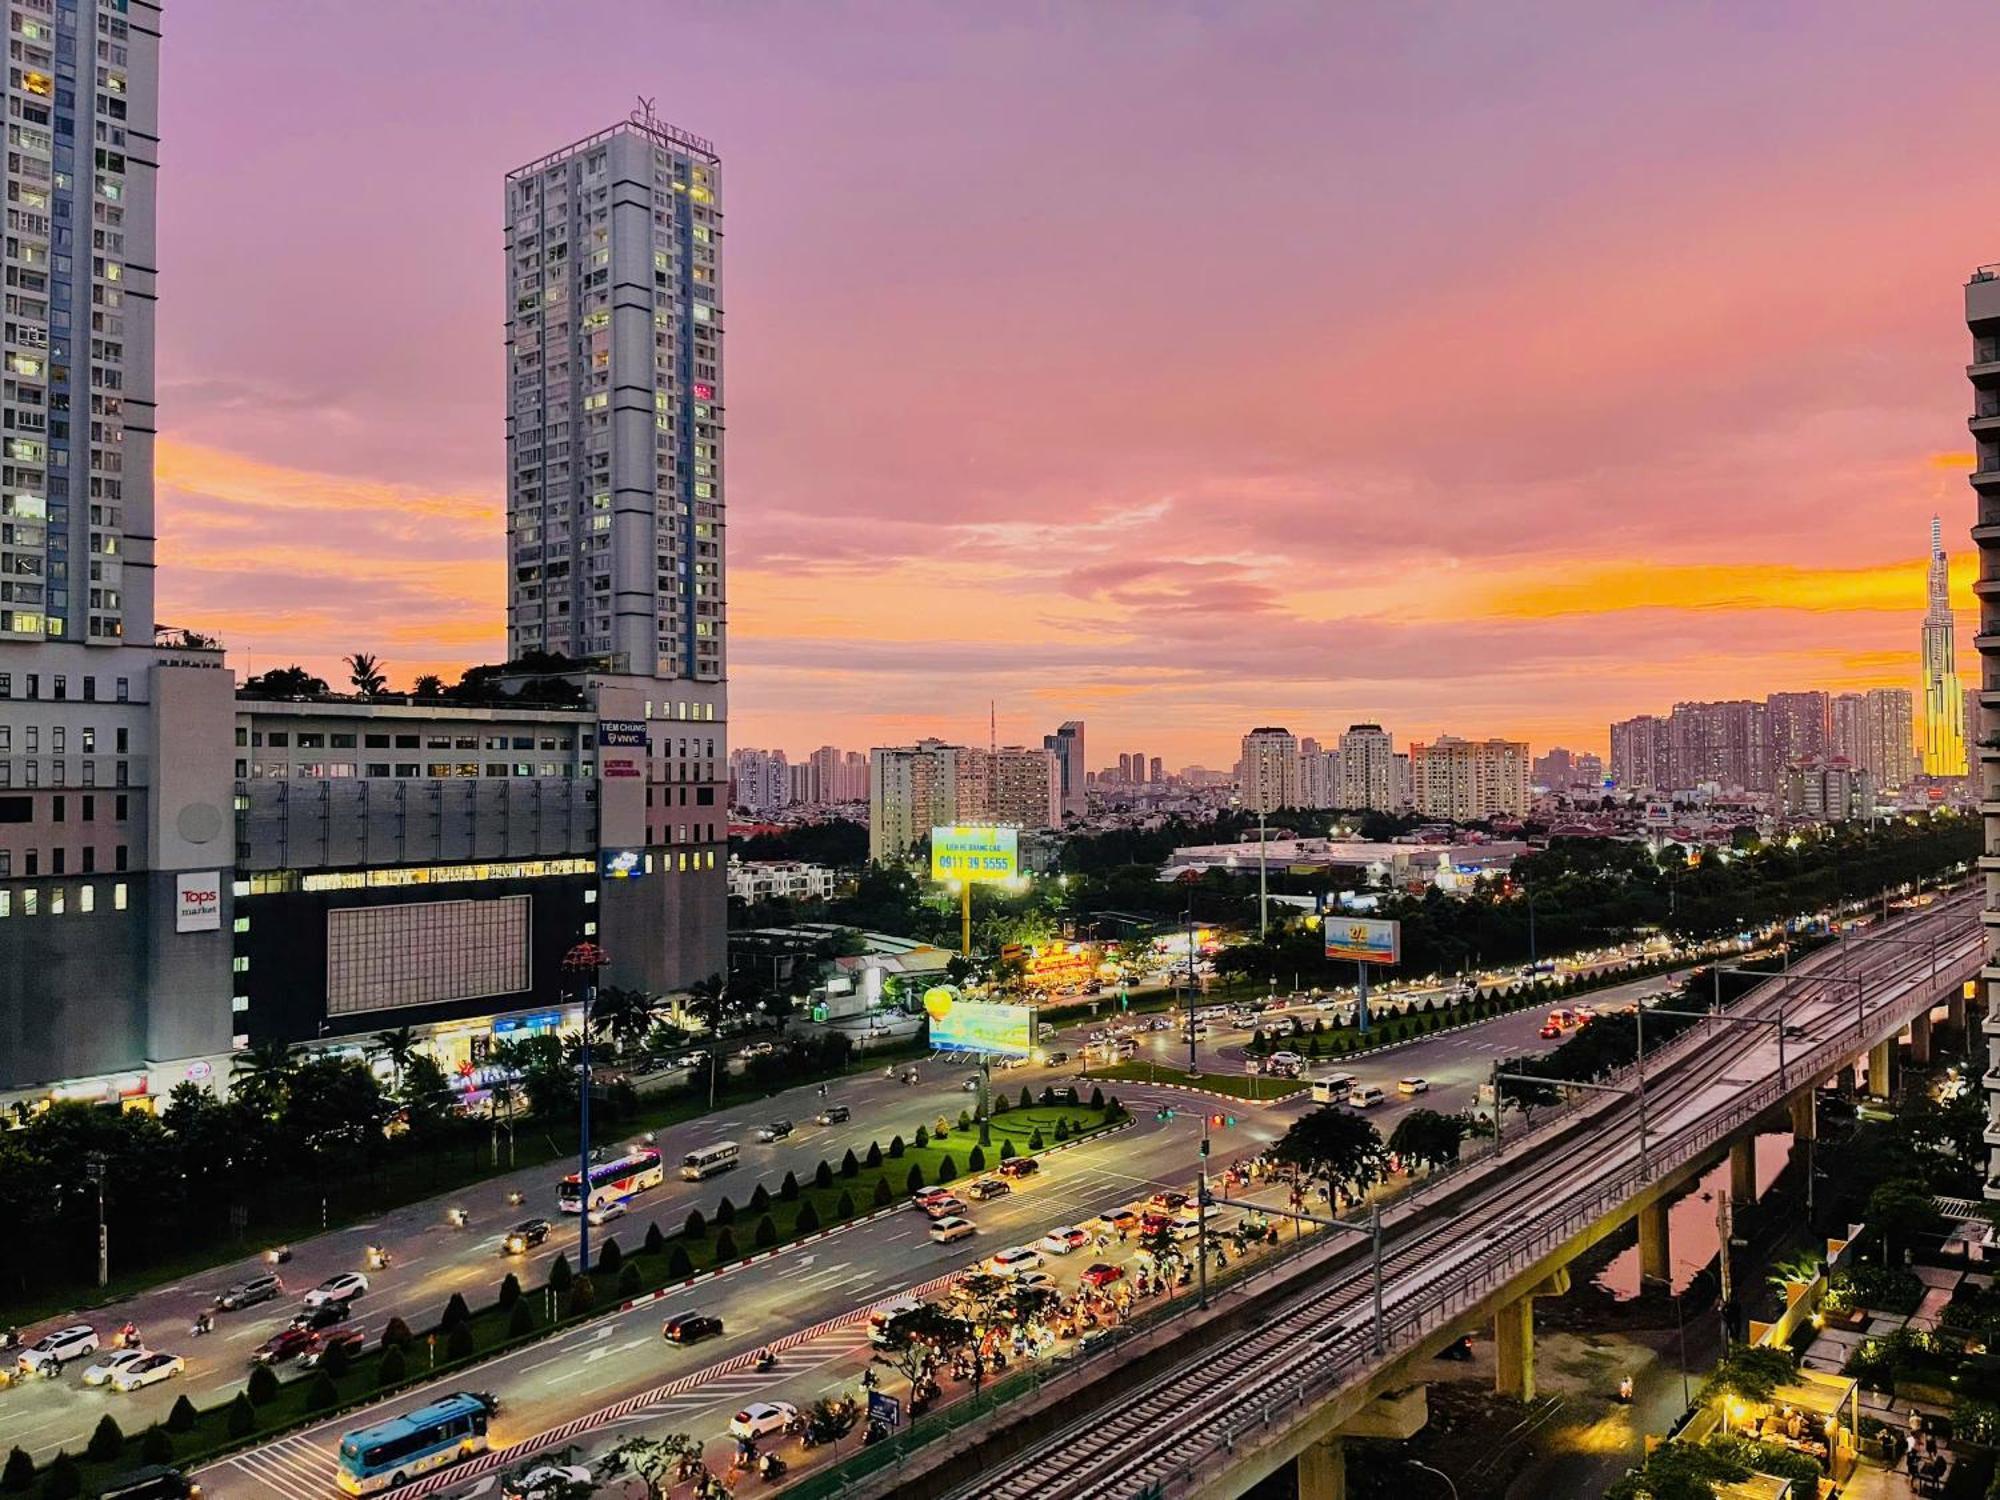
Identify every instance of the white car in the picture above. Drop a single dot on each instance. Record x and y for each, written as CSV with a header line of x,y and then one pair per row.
x,y
60,1347
1036,1281
1413,1086
544,1480
949,1228
1064,1240
604,1213
342,1288
761,1418
102,1369
147,1369
1015,1258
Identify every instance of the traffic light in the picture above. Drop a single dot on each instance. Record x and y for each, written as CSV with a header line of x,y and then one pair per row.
x,y
1164,1112
1221,1122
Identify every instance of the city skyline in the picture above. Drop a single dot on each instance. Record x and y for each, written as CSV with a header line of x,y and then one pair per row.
x,y
1567,573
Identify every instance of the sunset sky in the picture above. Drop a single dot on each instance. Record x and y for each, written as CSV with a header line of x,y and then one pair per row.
x,y
1468,367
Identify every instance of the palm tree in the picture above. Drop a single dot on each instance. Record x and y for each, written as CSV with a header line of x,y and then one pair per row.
x,y
705,1000
261,1073
364,670
399,1046
429,685
623,1015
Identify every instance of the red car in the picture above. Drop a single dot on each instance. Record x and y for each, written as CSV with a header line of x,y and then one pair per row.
x,y
1103,1274
1169,1201
1550,1033
1152,1223
287,1343
1019,1166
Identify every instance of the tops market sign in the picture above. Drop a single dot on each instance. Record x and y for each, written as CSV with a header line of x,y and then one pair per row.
x,y
198,901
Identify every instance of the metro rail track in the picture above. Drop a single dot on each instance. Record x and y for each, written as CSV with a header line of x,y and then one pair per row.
x,y
1443,1256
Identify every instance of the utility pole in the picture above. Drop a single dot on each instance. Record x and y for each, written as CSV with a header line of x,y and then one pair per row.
x,y
1263,882
96,1170
582,963
1194,1065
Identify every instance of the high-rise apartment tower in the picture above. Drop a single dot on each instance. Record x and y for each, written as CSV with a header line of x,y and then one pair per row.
x,y
615,506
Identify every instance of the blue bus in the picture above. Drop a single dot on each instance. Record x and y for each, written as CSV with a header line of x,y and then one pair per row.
x,y
386,1455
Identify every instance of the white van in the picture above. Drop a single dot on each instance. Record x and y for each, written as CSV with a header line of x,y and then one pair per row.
x,y
1333,1088
1364,1096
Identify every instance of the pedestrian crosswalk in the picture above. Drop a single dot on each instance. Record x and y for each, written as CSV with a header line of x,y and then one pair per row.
x,y
290,1468
722,1394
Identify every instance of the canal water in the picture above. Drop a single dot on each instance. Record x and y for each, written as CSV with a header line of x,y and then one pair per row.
x,y
1691,1223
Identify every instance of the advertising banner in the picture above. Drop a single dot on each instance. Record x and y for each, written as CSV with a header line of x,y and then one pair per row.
x,y
1364,941
975,853
630,733
978,1026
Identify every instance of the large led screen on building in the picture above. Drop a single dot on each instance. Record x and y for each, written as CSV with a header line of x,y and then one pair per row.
x,y
979,1025
975,853
425,953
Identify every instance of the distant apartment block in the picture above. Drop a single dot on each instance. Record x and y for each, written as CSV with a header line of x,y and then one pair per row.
x,y
915,788
1465,780
1270,770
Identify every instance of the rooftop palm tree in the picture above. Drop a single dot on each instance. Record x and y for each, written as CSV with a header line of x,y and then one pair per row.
x,y
364,670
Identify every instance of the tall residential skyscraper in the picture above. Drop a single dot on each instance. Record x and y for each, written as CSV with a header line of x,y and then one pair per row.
x,y
1982,318
1639,753
615,506
76,495
1944,733
1797,726
1270,770
1888,715
1066,745
1848,721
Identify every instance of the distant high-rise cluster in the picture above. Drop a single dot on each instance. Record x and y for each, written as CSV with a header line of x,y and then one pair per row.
x,y
1745,745
765,780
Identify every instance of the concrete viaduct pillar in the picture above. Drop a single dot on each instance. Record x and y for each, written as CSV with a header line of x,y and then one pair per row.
x,y
1805,1116
1743,1171
1954,1009
1920,1040
1396,1415
1322,1471
1655,1263
1514,1338
1880,1059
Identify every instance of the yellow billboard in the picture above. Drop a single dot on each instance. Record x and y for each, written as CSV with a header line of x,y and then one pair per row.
x,y
975,853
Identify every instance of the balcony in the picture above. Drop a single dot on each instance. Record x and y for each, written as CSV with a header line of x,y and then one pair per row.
x,y
1992,1133
1984,423
1989,478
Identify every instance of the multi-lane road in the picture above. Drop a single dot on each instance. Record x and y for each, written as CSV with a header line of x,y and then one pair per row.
x,y
621,1354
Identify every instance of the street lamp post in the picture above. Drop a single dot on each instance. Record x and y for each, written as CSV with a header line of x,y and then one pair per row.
x,y
1194,1066
581,964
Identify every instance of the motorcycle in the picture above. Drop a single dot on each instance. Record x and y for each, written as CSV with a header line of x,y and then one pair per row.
x,y
771,1467
128,1336
203,1324
516,1198
378,1258
766,1362
874,1434
279,1256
